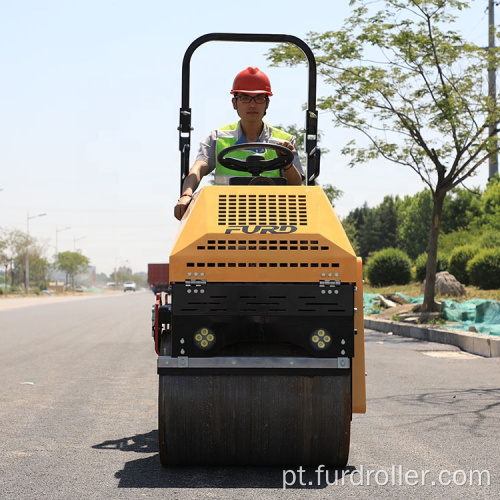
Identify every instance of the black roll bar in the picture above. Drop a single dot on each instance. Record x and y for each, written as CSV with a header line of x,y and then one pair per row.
x,y
311,123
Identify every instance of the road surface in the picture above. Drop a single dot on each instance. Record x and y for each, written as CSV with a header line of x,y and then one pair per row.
x,y
78,403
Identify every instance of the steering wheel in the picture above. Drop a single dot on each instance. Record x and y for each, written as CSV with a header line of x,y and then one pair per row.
x,y
255,164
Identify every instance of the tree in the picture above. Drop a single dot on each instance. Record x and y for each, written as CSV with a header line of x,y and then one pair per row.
x,y
15,247
332,193
299,134
380,228
374,228
39,270
460,207
20,246
353,224
357,216
414,90
416,215
490,206
71,263
4,259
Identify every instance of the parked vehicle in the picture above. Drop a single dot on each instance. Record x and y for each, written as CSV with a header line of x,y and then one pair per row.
x,y
129,286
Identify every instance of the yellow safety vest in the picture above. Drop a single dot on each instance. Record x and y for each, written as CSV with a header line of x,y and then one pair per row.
x,y
228,136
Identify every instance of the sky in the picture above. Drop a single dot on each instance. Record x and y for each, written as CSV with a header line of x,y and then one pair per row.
x,y
90,92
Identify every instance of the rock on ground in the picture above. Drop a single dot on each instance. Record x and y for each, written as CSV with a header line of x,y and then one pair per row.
x,y
447,284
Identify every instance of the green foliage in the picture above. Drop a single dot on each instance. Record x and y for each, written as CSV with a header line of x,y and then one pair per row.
x,y
421,265
299,134
459,259
460,207
15,248
141,279
356,219
490,238
3,250
490,206
415,220
437,321
448,242
411,217
39,270
411,88
484,269
404,77
389,266
352,235
375,228
332,193
72,263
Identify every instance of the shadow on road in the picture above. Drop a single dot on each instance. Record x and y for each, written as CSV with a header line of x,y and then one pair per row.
x,y
147,472
140,443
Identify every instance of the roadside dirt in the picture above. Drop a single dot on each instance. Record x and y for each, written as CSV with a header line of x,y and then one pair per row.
x,y
17,302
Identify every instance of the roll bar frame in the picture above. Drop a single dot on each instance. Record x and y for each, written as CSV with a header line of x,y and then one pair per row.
x,y
311,122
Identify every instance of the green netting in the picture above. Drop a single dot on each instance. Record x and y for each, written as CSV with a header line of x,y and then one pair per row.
x,y
483,315
371,303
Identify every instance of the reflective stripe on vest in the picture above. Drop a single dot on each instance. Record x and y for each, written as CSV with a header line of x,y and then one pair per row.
x,y
228,136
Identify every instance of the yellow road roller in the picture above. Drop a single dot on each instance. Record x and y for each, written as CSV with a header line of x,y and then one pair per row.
x,y
260,337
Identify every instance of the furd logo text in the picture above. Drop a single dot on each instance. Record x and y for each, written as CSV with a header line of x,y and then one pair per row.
x,y
261,229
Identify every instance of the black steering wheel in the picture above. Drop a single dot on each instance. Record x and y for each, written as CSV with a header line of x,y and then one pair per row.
x,y
255,164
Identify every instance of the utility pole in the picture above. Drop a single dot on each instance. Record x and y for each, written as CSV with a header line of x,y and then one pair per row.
x,y
492,87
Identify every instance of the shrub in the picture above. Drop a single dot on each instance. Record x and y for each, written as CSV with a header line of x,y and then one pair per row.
x,y
421,265
389,266
484,269
459,258
490,239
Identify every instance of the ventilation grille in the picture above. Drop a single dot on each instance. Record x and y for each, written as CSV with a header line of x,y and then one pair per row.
x,y
262,209
262,264
275,259
265,245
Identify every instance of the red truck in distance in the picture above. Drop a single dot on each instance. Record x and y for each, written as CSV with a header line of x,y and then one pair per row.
x,y
158,278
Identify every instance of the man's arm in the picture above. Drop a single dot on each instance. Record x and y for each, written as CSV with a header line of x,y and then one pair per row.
x,y
292,175
199,169
291,172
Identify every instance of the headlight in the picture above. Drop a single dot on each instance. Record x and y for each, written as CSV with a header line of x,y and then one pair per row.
x,y
204,338
321,339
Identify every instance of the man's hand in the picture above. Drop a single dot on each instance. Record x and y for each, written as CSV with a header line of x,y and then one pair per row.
x,y
290,172
288,145
181,206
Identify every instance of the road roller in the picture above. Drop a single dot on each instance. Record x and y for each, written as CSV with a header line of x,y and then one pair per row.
x,y
260,337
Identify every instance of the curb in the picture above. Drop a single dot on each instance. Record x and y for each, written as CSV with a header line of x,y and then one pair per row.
x,y
474,343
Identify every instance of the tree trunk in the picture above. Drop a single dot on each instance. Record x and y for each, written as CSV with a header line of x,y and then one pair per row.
x,y
430,274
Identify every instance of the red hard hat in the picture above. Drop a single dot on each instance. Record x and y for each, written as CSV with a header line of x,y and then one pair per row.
x,y
252,81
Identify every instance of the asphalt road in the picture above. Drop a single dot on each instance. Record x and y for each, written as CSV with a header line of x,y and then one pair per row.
x,y
78,402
